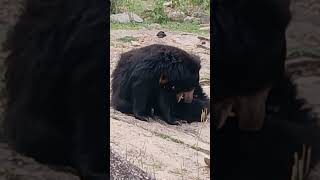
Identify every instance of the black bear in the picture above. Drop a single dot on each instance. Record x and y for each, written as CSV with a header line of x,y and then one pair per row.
x,y
270,152
154,79
249,54
55,81
261,128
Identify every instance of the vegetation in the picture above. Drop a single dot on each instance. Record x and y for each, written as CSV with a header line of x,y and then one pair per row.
x,y
153,10
158,14
127,39
191,5
119,6
172,26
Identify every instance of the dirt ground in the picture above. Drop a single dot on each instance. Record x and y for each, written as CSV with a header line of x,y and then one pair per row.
x,y
163,151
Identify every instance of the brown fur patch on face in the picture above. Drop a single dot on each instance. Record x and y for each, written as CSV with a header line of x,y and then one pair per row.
x,y
163,79
187,96
222,111
250,110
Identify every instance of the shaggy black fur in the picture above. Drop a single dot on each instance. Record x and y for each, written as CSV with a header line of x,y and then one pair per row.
x,y
56,84
269,153
136,88
250,51
249,45
191,112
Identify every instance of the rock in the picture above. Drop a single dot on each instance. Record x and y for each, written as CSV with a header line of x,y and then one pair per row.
x,y
205,28
188,19
161,34
120,168
197,14
126,18
205,19
191,19
176,16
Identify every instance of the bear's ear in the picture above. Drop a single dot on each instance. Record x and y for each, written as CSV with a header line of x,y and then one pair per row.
x,y
163,79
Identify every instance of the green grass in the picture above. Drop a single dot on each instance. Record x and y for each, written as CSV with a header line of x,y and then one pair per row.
x,y
157,9
171,26
127,26
185,27
137,6
127,39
